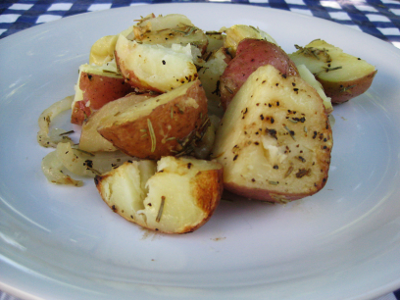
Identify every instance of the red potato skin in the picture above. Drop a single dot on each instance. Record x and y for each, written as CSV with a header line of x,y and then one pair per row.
x,y
251,54
80,112
130,140
270,196
97,90
100,90
341,92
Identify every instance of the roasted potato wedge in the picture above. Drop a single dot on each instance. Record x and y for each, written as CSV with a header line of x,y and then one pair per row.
x,y
97,85
251,54
236,33
175,195
161,126
275,139
90,140
154,67
168,30
342,75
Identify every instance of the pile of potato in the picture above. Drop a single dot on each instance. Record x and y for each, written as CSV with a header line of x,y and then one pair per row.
x,y
196,113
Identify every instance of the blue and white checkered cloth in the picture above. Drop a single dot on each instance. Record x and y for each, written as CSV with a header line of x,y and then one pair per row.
x,y
380,18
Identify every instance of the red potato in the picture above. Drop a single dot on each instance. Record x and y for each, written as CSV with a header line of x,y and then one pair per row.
x,y
148,67
80,112
274,139
90,140
168,30
174,195
101,89
236,33
96,87
251,54
166,125
342,75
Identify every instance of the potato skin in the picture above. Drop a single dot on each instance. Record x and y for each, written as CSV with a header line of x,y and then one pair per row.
x,y
208,192
343,91
80,112
251,54
97,90
273,196
274,139
133,138
90,140
342,75
101,89
191,188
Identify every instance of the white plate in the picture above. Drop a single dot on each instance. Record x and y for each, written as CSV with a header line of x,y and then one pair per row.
x,y
65,243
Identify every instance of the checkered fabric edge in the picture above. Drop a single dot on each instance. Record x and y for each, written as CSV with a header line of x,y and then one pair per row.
x,y
380,18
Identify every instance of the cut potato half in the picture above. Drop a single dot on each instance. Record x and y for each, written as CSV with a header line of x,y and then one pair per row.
x,y
168,30
90,139
97,86
251,54
342,75
160,126
175,195
274,139
236,33
155,67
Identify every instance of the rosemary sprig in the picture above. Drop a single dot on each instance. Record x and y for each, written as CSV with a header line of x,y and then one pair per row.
x,y
152,135
161,209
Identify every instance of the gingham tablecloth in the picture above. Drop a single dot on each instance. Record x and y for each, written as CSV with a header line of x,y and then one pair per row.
x,y
380,18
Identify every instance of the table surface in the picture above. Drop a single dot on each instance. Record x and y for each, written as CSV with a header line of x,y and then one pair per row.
x,y
380,18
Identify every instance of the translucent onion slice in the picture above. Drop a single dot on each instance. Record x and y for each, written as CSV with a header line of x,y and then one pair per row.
x,y
88,164
52,168
45,119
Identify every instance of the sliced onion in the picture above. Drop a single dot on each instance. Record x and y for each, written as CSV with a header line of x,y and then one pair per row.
x,y
45,119
52,168
87,164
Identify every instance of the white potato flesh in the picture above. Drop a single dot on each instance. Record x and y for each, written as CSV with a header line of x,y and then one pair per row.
x,y
154,66
169,197
239,32
163,22
124,189
330,63
274,140
168,30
